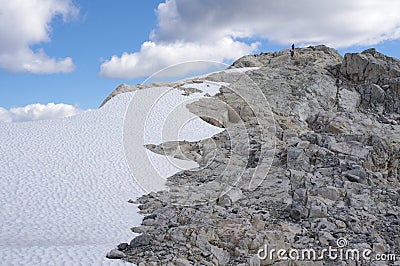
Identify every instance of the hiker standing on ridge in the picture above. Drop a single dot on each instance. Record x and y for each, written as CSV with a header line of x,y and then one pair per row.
x,y
292,51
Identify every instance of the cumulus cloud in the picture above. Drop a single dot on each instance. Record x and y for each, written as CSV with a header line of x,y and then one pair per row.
x,y
154,56
5,115
38,111
24,23
338,23
204,24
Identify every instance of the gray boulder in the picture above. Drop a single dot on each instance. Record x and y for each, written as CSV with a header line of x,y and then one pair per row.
x,y
141,240
115,254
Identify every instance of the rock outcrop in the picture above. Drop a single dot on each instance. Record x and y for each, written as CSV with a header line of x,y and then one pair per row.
x,y
315,161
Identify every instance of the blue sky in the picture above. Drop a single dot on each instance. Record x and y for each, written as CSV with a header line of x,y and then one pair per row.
x,y
81,50
102,28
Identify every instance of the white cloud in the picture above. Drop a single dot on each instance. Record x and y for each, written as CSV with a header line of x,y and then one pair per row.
x,y
185,24
338,23
5,115
24,23
38,111
154,56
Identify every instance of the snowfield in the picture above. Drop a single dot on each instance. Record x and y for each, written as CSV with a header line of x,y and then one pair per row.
x,y
65,183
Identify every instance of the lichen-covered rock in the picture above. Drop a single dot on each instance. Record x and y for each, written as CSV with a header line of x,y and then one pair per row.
x,y
371,66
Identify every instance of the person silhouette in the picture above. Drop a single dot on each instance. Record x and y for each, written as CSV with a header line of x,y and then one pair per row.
x,y
292,46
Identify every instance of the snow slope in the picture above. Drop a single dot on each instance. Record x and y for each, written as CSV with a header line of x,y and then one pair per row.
x,y
65,184
164,118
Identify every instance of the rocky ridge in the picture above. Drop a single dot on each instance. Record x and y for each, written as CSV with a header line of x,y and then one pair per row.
x,y
312,159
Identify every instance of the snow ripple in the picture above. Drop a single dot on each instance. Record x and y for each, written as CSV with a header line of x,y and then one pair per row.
x,y
65,187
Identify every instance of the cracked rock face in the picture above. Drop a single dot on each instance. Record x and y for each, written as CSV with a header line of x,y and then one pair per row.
x,y
316,160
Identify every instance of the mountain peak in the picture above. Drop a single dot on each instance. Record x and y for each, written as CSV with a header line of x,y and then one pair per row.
x,y
308,56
